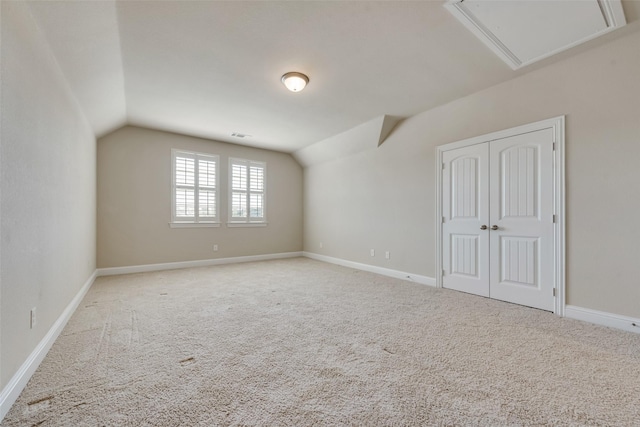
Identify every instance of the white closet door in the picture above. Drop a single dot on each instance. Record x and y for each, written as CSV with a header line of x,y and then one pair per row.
x,y
521,199
465,196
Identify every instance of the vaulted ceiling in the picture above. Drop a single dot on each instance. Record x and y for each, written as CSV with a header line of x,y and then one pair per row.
x,y
212,68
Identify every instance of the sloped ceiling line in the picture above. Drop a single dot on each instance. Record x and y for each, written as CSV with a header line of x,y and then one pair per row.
x,y
85,39
366,136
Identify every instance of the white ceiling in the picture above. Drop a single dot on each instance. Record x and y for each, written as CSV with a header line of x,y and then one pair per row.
x,y
211,68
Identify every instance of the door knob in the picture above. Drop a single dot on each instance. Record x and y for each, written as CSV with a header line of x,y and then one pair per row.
x,y
484,227
494,227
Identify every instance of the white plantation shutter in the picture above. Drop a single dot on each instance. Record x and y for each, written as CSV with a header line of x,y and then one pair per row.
x,y
207,203
256,188
207,191
256,203
247,193
238,177
195,187
184,186
256,178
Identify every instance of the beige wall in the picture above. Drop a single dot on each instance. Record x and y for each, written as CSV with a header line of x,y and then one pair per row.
x,y
384,198
48,180
134,202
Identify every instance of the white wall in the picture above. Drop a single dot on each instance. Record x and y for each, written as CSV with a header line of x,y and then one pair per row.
x,y
384,198
134,202
48,195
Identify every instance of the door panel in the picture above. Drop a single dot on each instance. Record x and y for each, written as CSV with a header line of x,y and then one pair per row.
x,y
518,169
519,261
464,251
464,187
465,209
521,206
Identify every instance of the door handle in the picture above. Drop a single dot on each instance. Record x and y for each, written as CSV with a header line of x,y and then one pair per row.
x,y
494,227
484,227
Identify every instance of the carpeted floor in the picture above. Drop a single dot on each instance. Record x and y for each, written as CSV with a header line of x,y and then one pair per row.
x,y
301,343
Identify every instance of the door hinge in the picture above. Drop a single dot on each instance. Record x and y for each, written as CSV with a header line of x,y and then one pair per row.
x,y
442,165
443,220
554,218
443,271
554,146
554,292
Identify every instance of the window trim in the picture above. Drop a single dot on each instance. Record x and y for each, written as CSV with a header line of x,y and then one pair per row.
x,y
248,222
196,221
193,224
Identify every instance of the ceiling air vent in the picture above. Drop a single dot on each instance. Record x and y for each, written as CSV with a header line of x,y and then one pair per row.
x,y
240,135
526,31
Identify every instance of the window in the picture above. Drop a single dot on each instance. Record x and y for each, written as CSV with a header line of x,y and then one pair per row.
x,y
247,182
195,189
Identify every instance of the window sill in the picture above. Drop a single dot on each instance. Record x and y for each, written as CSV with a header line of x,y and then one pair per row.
x,y
194,224
247,224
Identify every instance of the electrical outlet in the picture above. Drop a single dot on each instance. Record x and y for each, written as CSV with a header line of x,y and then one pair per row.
x,y
321,246
387,255
372,252
215,248
32,318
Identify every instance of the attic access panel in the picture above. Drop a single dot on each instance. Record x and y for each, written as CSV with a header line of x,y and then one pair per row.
x,y
525,31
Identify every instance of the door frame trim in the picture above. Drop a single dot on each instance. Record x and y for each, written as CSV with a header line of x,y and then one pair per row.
x,y
557,124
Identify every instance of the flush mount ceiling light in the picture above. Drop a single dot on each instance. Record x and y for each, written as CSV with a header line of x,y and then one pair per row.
x,y
295,82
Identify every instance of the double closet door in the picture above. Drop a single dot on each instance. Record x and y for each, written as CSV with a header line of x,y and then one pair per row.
x,y
498,219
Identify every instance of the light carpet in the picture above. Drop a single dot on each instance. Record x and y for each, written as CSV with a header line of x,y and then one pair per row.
x,y
303,343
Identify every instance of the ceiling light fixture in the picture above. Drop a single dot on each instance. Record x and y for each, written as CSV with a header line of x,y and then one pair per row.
x,y
294,81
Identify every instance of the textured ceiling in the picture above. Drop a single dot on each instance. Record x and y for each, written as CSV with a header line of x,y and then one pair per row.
x,y
211,68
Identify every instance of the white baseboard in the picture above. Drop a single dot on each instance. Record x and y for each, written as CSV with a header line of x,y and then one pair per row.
x,y
423,280
112,271
611,320
19,381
